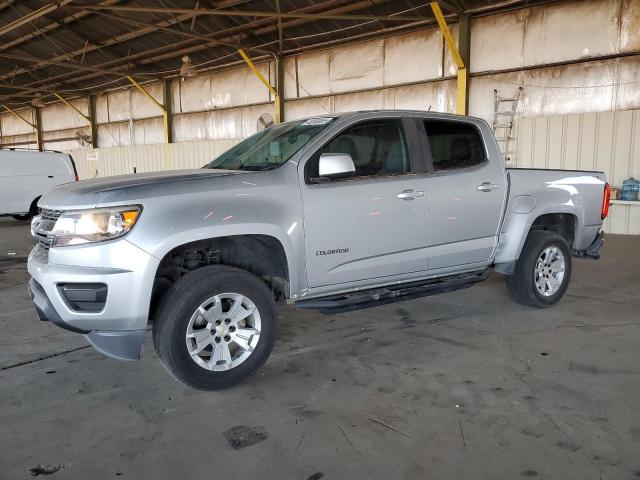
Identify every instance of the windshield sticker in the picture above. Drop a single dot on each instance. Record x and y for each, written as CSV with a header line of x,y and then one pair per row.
x,y
317,121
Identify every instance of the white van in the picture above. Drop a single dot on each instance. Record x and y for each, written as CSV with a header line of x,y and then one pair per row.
x,y
27,174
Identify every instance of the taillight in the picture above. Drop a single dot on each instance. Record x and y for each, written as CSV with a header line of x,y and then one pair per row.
x,y
606,198
77,178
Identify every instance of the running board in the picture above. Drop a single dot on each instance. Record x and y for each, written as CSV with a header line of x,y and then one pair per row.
x,y
347,302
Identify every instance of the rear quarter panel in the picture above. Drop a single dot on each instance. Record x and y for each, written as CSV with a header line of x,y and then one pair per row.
x,y
533,193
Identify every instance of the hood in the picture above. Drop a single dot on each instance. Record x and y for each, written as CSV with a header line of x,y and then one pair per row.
x,y
124,188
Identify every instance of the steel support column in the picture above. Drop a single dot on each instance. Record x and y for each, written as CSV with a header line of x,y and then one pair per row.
x,y
279,101
37,116
91,102
464,46
462,87
166,116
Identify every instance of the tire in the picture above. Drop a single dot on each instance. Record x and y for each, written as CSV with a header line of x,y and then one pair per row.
x,y
526,284
33,210
177,317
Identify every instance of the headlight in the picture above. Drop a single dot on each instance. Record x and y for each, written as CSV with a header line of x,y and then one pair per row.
x,y
94,225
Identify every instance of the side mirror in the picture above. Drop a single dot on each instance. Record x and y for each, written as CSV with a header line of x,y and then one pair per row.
x,y
336,165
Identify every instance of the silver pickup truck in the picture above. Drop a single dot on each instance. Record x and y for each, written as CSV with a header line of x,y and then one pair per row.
x,y
332,213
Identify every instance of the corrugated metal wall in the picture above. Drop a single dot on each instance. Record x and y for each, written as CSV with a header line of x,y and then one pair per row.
x,y
104,162
606,141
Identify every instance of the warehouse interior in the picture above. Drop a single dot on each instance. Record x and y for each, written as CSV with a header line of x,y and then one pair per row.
x,y
460,385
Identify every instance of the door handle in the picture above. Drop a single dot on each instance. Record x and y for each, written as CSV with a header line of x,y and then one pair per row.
x,y
487,186
409,194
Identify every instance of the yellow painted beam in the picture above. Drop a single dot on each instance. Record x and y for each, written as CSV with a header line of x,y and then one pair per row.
x,y
17,115
278,108
36,126
461,92
264,81
442,23
144,91
461,89
256,72
68,104
165,113
165,121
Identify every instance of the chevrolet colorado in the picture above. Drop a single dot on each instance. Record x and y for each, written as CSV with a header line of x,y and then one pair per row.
x,y
330,213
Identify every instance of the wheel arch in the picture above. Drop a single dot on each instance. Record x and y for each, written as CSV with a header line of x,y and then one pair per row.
x,y
34,205
564,224
260,254
564,221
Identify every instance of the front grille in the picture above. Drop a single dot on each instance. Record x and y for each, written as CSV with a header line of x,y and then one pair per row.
x,y
41,255
42,226
47,214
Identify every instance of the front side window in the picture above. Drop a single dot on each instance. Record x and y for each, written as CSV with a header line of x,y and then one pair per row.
x,y
377,147
272,147
454,144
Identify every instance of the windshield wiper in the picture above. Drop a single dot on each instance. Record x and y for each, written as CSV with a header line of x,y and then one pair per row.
x,y
256,168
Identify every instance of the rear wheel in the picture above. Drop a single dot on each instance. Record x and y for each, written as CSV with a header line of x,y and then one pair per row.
x,y
33,210
215,326
543,271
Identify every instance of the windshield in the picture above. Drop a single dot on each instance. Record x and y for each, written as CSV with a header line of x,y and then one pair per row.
x,y
272,147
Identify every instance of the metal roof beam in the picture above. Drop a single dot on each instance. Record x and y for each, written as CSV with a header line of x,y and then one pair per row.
x,y
119,39
150,28
183,33
6,4
336,10
31,16
86,68
252,13
52,26
174,50
449,6
151,57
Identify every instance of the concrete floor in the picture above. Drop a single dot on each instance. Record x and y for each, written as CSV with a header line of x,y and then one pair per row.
x,y
462,385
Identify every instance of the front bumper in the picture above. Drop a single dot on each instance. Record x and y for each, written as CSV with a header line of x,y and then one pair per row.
x,y
45,309
128,273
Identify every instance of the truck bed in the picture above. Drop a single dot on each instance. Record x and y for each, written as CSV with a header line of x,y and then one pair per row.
x,y
535,192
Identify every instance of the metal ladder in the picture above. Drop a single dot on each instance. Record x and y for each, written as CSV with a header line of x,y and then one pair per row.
x,y
504,110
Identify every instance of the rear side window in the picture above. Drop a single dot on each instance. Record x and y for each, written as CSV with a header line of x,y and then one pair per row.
x,y
454,144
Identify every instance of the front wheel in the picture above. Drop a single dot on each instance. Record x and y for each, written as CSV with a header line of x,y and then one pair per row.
x,y
543,271
215,326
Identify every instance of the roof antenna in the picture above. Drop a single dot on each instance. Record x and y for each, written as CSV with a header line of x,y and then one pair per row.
x,y
429,109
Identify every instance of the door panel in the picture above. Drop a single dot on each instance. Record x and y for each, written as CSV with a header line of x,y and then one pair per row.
x,y
467,196
370,226
360,230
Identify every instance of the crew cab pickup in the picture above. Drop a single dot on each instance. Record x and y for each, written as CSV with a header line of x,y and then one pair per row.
x,y
332,213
